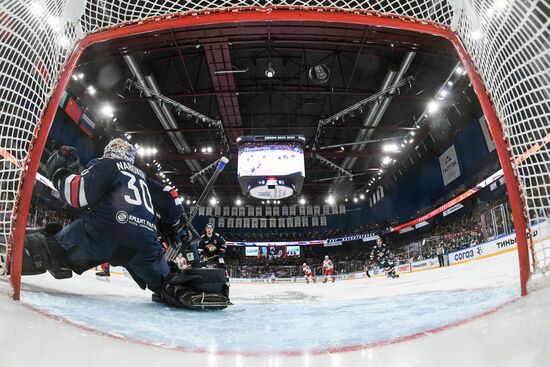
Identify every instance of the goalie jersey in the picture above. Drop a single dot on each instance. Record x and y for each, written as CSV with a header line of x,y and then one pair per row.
x,y
121,200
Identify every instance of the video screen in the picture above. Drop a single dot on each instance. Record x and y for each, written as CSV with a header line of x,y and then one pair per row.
x,y
293,251
270,159
272,252
251,251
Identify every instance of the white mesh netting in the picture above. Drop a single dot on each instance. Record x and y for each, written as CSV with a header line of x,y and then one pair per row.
x,y
507,40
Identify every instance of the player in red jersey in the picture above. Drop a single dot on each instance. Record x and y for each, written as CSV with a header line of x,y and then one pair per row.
x,y
181,262
328,269
308,274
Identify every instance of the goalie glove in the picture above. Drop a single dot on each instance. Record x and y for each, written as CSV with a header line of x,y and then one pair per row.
x,y
63,162
177,233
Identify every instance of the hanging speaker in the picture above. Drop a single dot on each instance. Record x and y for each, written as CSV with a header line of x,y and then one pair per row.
x,y
319,74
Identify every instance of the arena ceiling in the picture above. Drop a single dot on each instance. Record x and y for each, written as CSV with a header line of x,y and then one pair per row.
x,y
220,71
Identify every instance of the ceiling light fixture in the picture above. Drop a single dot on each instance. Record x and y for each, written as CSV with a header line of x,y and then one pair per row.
x,y
269,72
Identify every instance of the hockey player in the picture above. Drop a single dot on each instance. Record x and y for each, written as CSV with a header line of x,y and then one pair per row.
x,y
119,226
212,246
308,274
381,256
366,268
181,262
328,269
105,272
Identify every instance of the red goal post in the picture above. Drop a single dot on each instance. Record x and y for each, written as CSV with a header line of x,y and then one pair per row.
x,y
503,45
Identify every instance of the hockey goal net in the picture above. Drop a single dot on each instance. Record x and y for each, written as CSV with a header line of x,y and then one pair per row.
x,y
504,45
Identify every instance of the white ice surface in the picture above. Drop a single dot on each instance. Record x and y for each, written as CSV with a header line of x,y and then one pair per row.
x,y
287,324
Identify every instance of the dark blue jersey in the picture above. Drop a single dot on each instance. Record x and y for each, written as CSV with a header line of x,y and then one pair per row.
x,y
122,201
378,252
214,245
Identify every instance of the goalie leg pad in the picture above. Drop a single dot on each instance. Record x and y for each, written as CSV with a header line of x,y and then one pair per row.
x,y
43,253
207,281
196,289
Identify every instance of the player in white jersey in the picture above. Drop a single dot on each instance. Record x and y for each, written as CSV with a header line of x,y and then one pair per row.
x,y
328,269
308,274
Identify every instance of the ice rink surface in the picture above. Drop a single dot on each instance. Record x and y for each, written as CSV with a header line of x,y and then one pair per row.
x,y
464,315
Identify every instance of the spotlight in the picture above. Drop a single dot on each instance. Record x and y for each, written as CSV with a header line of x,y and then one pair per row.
x,y
386,160
91,90
330,200
213,201
269,72
355,200
362,197
433,106
53,22
203,150
500,4
107,110
188,202
64,41
302,201
413,133
209,149
238,202
36,9
459,70
476,34
128,136
390,148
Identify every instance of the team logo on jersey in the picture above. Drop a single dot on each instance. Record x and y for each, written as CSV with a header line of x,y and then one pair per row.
x,y
122,217
210,247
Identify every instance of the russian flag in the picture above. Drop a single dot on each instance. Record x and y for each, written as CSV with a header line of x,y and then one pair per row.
x,y
87,125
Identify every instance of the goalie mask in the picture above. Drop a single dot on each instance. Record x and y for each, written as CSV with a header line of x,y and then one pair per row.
x,y
120,149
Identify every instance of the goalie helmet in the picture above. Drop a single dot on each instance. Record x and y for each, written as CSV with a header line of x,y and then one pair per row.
x,y
120,149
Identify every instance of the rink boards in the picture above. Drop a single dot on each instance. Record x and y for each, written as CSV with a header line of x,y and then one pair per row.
x,y
505,244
